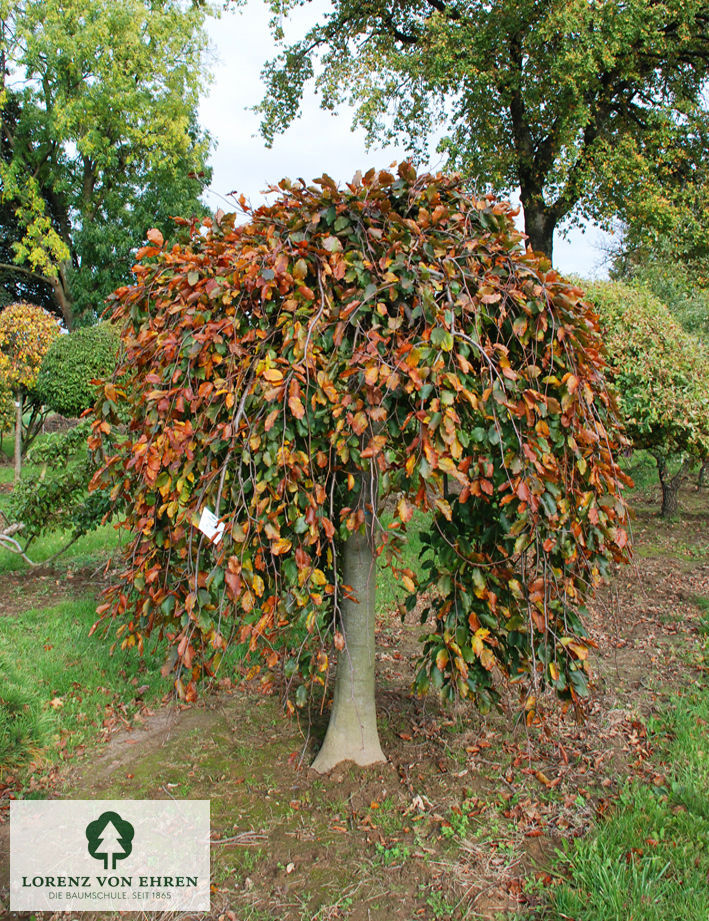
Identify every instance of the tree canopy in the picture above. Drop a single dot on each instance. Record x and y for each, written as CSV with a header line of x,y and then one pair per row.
x,y
661,377
98,140
592,109
72,363
672,262
26,333
345,349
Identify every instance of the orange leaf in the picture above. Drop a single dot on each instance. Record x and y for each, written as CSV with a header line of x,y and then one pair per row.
x,y
487,659
296,407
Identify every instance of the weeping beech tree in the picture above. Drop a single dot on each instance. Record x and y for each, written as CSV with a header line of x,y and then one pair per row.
x,y
386,345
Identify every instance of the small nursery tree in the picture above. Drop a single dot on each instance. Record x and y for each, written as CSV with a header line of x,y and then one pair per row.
x,y
344,349
26,332
57,498
72,362
661,375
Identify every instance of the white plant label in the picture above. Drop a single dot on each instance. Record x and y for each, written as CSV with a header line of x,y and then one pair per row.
x,y
210,525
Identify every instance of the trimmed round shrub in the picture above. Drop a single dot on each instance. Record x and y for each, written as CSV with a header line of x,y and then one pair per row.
x,y
72,362
660,371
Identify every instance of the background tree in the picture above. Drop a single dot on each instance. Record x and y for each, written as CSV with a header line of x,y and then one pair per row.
x,y
26,332
661,377
71,363
672,262
343,350
19,285
591,109
56,498
98,140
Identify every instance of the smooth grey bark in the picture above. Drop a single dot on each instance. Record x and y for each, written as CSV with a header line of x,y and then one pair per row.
x,y
352,733
18,435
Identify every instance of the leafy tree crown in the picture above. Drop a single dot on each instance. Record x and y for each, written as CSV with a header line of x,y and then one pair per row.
x,y
82,176
72,362
660,372
393,336
593,110
26,333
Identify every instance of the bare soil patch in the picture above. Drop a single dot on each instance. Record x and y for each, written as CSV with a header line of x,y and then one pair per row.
x,y
47,585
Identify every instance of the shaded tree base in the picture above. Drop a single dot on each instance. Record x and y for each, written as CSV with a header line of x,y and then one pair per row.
x,y
338,747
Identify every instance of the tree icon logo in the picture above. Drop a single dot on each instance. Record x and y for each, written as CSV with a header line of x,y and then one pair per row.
x,y
110,839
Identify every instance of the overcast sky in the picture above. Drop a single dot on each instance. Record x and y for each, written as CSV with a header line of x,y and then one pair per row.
x,y
317,142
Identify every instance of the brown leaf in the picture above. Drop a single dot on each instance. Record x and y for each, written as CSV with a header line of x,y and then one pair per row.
x,y
296,407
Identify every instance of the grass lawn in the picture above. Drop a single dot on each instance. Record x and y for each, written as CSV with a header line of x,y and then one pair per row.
x,y
59,684
648,860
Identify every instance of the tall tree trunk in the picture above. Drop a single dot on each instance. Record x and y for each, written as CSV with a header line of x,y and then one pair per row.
x,y
539,225
352,731
63,297
670,486
18,435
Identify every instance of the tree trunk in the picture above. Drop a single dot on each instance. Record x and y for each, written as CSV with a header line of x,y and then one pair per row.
x,y
18,435
701,480
34,426
352,731
539,226
670,486
63,297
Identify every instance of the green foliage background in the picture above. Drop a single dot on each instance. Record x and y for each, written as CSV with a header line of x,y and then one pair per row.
x,y
99,142
660,371
72,362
